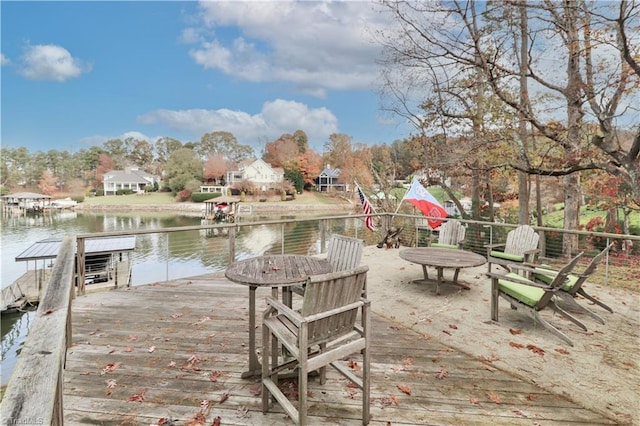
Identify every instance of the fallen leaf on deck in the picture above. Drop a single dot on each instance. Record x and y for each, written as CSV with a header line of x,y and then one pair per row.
x,y
47,312
446,332
531,397
515,331
133,337
404,389
354,365
562,351
495,398
152,348
137,397
224,397
171,364
453,326
474,401
216,421
201,320
112,366
536,350
442,374
111,384
174,316
128,349
516,345
407,362
214,375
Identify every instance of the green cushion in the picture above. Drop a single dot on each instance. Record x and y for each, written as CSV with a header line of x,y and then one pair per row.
x,y
451,246
547,275
507,256
527,294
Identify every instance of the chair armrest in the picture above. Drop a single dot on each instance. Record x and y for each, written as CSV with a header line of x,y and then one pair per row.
x,y
282,309
520,280
492,246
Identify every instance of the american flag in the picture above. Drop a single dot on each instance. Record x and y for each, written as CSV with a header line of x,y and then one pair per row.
x,y
366,207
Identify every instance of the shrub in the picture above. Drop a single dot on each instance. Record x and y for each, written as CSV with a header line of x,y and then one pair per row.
x,y
124,192
78,198
184,195
199,197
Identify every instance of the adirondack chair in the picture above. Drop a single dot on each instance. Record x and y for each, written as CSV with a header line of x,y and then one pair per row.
x,y
521,247
322,333
344,253
450,235
573,285
528,296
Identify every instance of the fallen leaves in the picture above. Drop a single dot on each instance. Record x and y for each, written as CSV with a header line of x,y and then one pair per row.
x,y
213,376
137,397
493,397
536,350
354,365
111,384
516,345
515,331
111,367
201,321
562,351
442,374
404,389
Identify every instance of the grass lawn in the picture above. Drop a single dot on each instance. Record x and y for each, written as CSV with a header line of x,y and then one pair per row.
x,y
556,219
159,198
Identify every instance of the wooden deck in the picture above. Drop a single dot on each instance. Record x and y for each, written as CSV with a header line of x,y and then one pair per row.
x,y
175,351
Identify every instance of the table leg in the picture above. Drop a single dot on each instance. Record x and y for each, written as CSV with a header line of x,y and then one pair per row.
x,y
255,369
424,272
439,281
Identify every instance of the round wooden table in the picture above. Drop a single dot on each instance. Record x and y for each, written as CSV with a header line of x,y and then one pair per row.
x,y
441,258
271,271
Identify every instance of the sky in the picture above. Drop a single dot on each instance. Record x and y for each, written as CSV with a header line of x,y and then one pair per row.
x,y
78,73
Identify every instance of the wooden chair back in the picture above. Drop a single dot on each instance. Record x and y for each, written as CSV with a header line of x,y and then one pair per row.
x,y
521,240
589,270
452,233
558,282
344,253
331,302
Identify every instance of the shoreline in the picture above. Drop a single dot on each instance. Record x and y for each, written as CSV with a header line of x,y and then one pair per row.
x,y
199,207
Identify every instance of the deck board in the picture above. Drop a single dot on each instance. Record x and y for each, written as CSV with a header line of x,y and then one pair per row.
x,y
153,331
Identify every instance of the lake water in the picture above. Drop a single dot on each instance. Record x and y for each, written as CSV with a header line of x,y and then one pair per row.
x,y
188,252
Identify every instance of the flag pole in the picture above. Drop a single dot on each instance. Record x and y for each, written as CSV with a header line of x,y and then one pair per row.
x,y
400,203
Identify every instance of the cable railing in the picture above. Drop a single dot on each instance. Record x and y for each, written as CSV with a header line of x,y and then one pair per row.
x,y
187,251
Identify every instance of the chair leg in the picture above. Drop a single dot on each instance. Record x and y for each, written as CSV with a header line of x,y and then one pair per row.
x,y
546,324
575,306
567,315
323,369
303,378
265,368
584,294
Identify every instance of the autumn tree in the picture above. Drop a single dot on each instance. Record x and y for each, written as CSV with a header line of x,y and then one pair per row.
x,y
184,166
47,184
215,168
224,144
455,36
105,164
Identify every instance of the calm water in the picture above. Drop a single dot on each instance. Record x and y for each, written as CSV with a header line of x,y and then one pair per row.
x,y
188,252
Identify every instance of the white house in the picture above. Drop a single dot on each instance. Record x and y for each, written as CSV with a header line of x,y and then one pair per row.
x,y
258,172
131,178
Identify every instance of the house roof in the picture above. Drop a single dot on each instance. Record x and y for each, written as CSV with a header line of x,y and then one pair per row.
x,y
332,173
128,176
27,196
49,248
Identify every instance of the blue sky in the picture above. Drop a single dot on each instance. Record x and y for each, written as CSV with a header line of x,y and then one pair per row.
x,y
77,73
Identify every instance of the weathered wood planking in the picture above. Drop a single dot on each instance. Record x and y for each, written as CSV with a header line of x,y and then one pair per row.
x,y
207,316
35,391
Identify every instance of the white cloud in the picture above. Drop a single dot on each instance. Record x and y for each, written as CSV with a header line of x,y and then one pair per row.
x,y
4,60
276,118
317,46
50,62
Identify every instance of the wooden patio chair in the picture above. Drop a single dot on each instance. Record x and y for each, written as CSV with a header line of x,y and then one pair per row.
x,y
531,297
322,333
521,247
574,285
451,235
343,253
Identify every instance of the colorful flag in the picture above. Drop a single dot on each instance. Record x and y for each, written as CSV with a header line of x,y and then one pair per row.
x,y
366,207
425,202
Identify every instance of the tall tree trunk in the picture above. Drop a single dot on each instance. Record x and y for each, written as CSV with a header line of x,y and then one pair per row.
x,y
524,191
573,94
